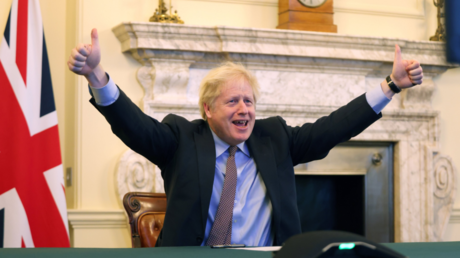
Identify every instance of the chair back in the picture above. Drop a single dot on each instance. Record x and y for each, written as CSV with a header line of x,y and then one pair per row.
x,y
146,213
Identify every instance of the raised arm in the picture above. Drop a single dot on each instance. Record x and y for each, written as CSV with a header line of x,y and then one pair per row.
x,y
313,141
143,134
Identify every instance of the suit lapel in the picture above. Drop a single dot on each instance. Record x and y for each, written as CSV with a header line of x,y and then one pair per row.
x,y
262,152
206,155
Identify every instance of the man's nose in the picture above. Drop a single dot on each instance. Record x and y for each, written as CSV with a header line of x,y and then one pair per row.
x,y
242,108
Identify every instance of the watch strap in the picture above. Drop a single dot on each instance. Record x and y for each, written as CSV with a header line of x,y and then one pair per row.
x,y
392,85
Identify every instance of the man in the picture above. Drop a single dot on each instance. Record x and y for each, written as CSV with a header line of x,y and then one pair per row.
x,y
228,177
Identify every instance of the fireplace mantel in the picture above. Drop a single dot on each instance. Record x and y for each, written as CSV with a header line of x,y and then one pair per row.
x,y
303,76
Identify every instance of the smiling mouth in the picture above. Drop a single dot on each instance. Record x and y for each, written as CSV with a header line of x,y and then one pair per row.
x,y
241,123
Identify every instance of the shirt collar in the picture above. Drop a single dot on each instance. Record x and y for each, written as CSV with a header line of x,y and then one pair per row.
x,y
222,146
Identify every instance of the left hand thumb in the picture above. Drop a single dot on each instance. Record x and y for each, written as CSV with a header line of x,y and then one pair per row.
x,y
398,59
399,75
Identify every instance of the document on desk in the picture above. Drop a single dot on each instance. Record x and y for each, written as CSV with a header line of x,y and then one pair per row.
x,y
262,248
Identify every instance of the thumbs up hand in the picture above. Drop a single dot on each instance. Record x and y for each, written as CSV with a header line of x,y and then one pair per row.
x,y
85,60
406,73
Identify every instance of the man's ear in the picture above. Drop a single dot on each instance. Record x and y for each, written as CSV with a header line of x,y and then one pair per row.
x,y
207,110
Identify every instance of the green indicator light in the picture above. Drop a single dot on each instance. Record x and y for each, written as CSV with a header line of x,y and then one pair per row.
x,y
346,246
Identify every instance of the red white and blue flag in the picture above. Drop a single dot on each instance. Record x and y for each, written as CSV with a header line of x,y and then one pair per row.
x,y
32,198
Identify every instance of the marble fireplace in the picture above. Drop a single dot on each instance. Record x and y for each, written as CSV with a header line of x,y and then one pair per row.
x,y
303,76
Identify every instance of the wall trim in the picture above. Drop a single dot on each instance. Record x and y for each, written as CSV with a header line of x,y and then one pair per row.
x,y
339,7
271,3
420,16
455,216
78,137
97,219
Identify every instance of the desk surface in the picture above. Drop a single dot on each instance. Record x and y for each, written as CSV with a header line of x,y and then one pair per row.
x,y
412,250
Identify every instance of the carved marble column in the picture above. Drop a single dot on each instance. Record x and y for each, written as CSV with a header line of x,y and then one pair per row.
x,y
136,174
165,74
442,179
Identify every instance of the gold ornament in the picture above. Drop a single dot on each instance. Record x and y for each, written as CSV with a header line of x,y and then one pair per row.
x,y
161,14
441,30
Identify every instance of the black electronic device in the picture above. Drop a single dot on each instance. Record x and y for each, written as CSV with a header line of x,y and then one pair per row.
x,y
332,244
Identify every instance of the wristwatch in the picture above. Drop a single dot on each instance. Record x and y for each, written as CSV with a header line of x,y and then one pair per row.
x,y
392,85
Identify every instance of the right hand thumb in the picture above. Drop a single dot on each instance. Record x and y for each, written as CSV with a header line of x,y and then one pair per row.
x,y
94,57
94,39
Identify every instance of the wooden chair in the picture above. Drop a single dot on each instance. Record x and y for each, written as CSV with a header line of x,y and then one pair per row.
x,y
146,213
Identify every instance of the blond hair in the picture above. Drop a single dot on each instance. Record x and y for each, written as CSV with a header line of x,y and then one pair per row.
x,y
211,85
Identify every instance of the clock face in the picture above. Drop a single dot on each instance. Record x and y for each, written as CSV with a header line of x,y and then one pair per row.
x,y
312,3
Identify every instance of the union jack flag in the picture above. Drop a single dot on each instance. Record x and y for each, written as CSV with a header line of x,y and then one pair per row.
x,y
32,198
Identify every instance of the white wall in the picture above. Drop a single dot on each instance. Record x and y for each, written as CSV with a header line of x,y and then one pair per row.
x,y
90,148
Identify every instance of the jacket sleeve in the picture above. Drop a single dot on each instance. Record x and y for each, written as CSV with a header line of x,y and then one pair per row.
x,y
143,134
313,141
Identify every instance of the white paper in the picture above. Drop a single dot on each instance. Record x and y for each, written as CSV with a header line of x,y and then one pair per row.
x,y
262,248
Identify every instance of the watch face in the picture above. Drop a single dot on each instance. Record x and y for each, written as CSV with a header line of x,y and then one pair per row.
x,y
312,3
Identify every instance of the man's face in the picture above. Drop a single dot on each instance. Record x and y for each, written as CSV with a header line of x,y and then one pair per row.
x,y
233,115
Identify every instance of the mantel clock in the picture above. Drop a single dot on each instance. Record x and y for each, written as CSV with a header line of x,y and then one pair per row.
x,y
311,15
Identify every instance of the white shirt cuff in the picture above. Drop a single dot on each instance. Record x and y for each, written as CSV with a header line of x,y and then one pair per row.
x,y
106,95
377,99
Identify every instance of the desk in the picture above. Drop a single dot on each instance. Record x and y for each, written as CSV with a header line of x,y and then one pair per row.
x,y
413,250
